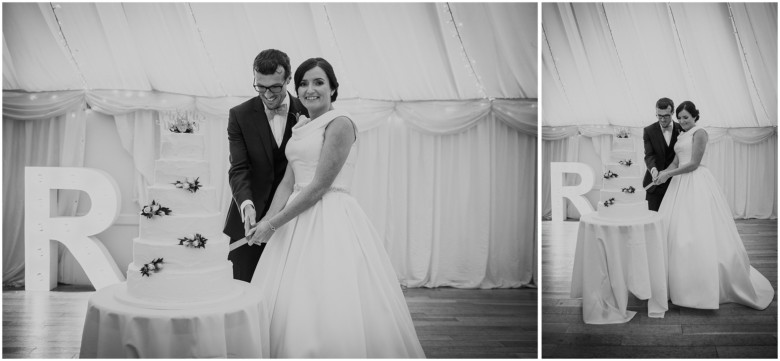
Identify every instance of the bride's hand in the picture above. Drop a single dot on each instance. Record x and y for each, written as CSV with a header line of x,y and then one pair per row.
x,y
663,176
263,232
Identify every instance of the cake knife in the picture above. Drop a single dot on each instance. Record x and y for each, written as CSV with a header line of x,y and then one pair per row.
x,y
238,243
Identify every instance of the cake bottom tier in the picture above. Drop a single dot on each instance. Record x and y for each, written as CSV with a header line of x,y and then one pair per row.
x,y
174,287
631,210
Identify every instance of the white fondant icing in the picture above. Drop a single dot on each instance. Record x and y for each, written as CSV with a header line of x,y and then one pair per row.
x,y
214,253
168,171
621,170
622,182
181,146
622,197
625,205
184,202
172,227
617,156
624,211
172,284
188,275
622,144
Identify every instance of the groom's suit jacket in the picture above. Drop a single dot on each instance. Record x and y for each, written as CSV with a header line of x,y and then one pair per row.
x,y
658,154
257,166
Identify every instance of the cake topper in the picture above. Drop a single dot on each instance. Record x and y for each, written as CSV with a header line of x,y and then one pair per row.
x,y
182,121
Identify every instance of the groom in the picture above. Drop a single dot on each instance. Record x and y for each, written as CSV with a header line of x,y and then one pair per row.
x,y
659,140
258,130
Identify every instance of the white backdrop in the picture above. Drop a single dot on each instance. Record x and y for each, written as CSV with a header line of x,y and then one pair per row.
x,y
606,64
439,172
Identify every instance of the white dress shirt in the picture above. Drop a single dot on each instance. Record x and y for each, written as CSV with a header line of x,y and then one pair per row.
x,y
668,133
279,122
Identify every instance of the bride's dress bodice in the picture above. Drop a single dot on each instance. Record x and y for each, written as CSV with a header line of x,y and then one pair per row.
x,y
304,149
684,146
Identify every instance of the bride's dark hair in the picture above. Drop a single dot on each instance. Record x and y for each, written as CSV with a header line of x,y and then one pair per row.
x,y
690,108
325,66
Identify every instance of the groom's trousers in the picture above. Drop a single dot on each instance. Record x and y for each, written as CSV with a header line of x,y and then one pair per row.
x,y
245,259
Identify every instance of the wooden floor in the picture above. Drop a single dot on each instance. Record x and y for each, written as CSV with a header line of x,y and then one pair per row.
x,y
733,331
450,323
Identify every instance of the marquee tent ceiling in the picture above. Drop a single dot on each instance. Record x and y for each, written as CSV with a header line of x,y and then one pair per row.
x,y
397,52
608,63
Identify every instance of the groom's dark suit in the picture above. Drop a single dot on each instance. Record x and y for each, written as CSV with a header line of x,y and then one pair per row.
x,y
257,166
660,156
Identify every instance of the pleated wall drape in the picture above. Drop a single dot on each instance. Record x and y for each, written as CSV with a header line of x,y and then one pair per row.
x,y
51,134
449,184
742,160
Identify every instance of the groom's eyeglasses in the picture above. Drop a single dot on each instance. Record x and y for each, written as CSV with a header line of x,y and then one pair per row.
x,y
668,116
273,88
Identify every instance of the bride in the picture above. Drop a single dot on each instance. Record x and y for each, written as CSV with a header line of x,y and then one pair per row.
x,y
708,264
330,288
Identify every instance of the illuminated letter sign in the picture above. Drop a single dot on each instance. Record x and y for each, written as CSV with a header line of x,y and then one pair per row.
x,y
41,231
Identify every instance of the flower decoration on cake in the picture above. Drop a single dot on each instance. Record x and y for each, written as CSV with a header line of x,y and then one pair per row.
x,y
192,186
196,242
609,175
155,209
153,266
609,202
180,122
622,133
626,162
630,189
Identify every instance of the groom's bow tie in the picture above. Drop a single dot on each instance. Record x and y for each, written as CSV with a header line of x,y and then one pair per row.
x,y
280,110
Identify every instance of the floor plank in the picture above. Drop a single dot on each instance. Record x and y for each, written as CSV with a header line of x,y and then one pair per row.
x,y
450,323
733,331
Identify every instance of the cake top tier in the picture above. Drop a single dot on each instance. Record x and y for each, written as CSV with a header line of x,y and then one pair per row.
x,y
622,133
180,121
622,140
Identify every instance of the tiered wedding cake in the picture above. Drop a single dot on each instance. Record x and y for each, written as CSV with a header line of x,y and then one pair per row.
x,y
180,257
622,195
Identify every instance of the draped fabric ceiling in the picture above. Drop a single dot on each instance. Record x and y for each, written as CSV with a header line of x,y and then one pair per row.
x,y
608,63
380,51
444,96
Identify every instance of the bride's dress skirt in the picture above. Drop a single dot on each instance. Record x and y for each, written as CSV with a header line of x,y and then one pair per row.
x,y
708,264
331,289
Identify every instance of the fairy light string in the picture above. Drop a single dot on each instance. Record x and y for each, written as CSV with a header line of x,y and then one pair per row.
x,y
447,9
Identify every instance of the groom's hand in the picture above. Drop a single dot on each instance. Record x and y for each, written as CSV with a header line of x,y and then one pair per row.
x,y
654,173
249,218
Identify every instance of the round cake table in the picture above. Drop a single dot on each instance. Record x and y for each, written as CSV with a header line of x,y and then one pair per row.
x,y
235,328
615,257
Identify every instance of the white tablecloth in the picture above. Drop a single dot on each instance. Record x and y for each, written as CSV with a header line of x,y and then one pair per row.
x,y
236,328
615,258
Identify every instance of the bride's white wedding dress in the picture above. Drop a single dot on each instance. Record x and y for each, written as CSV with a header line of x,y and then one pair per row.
x,y
708,264
327,281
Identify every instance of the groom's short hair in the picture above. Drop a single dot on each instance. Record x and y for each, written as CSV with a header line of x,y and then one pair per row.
x,y
664,103
269,60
